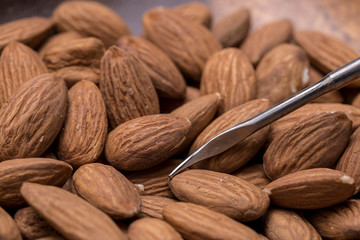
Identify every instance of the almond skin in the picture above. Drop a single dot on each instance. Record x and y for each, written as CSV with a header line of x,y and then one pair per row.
x,y
230,73
8,228
188,44
152,206
75,74
307,145
107,189
58,206
126,87
144,142
253,173
198,222
32,118
196,12
168,105
57,39
83,135
221,192
311,189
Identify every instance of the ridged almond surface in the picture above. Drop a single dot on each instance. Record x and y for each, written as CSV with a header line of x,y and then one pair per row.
x,y
72,216
339,222
263,39
188,44
221,192
32,118
241,153
282,72
308,144
230,73
30,31
167,79
196,12
152,229
58,39
152,206
91,19
82,138
280,224
253,173
8,228
233,28
197,222
144,142
38,170
107,189
18,64
311,189
126,87
75,74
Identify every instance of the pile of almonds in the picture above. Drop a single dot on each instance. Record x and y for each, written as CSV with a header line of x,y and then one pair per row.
x,y
93,119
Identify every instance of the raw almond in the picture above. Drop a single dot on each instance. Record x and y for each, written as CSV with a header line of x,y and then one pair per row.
x,y
230,73
187,43
144,142
221,192
107,189
311,189
152,206
8,228
75,74
168,105
126,87
253,173
32,118
196,12
58,39
58,206
83,135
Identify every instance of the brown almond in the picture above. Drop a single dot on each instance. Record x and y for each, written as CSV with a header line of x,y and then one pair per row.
x,y
307,145
30,31
152,206
8,228
58,39
311,189
18,64
196,12
144,142
167,79
221,192
152,229
262,40
78,16
107,189
83,135
198,222
75,74
32,118
233,28
230,73
356,101
126,87
253,173
168,105
188,44
241,153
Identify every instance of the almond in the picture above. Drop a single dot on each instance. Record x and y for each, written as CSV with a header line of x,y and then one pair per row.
x,y
58,39
74,74
8,228
196,12
253,173
187,43
144,142
220,192
78,16
58,206
230,73
311,189
168,105
152,206
107,189
32,118
198,222
126,87
83,135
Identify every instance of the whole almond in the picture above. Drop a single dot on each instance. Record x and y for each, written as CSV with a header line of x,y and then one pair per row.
x,y
230,73
196,12
287,224
126,87
311,189
152,229
187,43
167,79
262,40
198,222
83,135
8,228
78,16
107,189
58,39
282,72
18,64
307,145
253,173
167,105
38,170
221,192
58,206
75,74
144,142
32,118
152,206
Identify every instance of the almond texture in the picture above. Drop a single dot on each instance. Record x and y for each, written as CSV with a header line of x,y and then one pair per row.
x,y
195,12
152,206
152,229
8,228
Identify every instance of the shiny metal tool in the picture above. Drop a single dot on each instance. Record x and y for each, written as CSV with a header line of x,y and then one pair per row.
x,y
223,141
